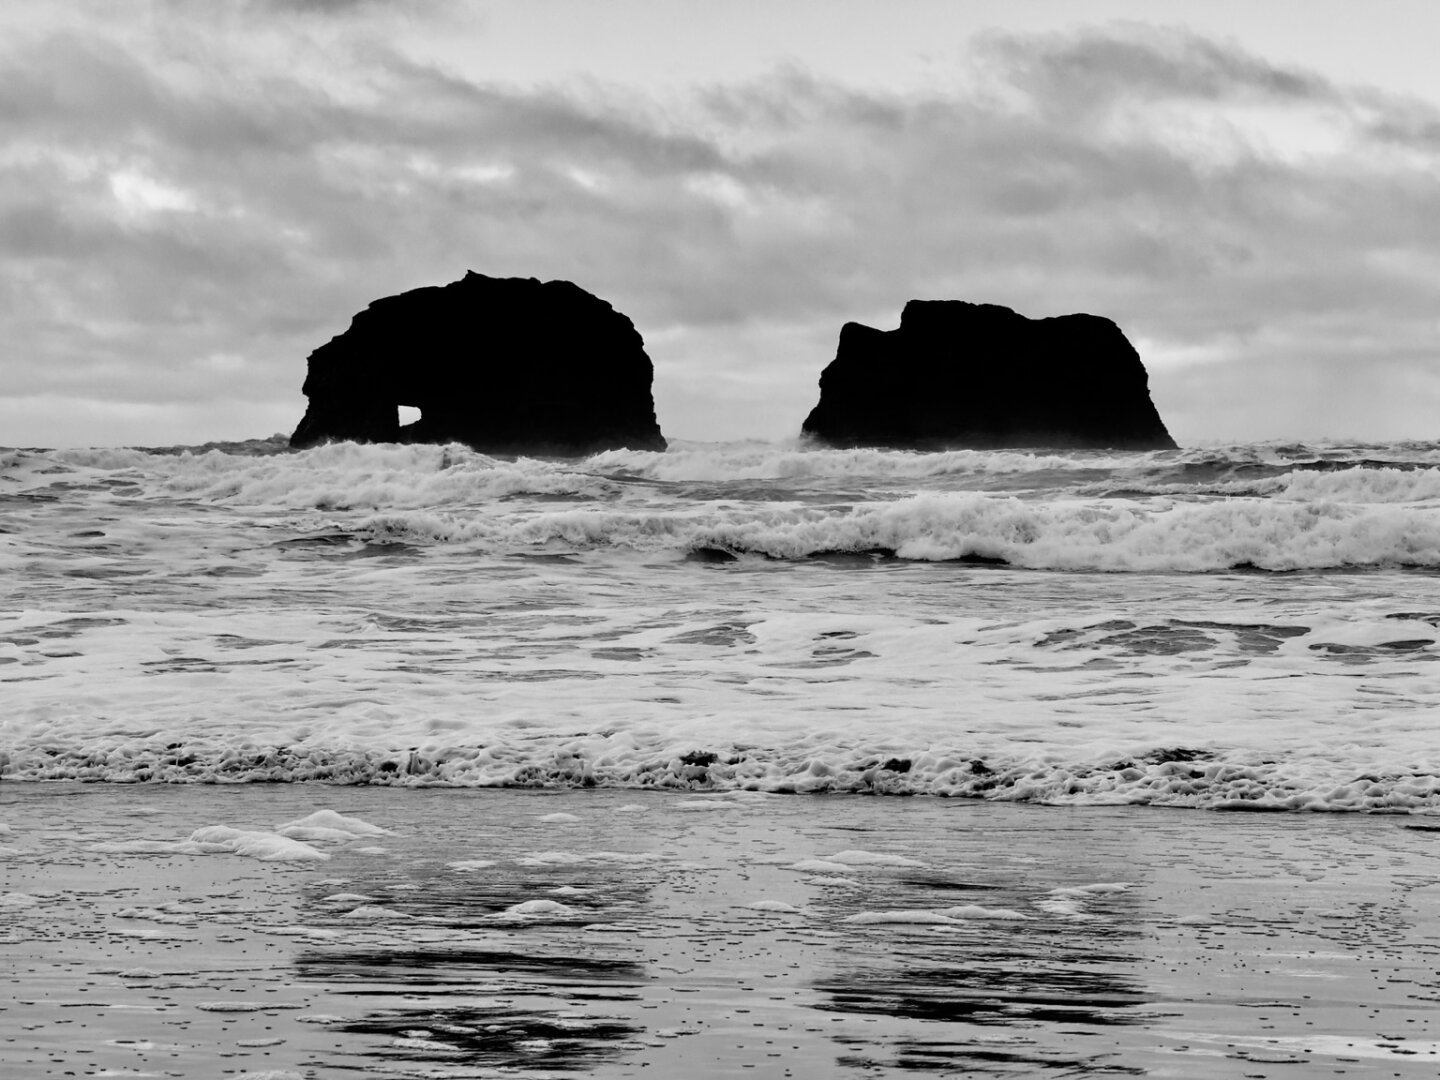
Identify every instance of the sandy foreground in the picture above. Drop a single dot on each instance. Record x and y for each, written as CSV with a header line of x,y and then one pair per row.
x,y
607,933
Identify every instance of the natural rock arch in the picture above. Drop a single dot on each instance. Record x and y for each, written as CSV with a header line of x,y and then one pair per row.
x,y
505,365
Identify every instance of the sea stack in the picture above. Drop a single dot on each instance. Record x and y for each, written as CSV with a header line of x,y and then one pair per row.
x,y
504,365
959,375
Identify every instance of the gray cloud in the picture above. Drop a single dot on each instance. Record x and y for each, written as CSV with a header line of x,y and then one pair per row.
x,y
320,7
169,234
1090,71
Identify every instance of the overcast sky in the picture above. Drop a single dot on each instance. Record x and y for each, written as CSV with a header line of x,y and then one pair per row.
x,y
195,195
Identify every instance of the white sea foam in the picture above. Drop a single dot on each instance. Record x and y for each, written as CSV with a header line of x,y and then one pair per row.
x,y
328,825
374,913
778,906
1073,902
267,846
312,834
540,908
977,911
1362,485
159,847
853,858
1354,485
701,462
344,475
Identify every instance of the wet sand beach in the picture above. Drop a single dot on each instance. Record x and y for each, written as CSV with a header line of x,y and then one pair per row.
x,y
514,933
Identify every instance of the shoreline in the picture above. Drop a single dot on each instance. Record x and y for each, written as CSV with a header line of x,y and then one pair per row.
x,y
881,780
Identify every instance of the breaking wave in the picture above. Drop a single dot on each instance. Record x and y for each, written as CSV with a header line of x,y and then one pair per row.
x,y
1277,508
1163,776
1112,537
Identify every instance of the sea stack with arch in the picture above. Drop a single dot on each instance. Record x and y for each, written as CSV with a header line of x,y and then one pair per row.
x,y
958,375
503,365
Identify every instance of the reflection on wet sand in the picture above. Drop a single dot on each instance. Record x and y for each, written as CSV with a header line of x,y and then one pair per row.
x,y
994,990
498,1037
467,968
1011,994
483,1008
981,994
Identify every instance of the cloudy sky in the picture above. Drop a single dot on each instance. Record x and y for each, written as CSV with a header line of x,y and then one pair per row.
x,y
194,195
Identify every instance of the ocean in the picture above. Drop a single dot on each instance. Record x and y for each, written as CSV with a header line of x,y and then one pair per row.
x,y
1222,628
405,761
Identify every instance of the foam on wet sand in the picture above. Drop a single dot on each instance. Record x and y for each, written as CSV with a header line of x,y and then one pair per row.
x,y
974,938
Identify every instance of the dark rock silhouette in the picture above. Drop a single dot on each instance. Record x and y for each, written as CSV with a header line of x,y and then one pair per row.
x,y
504,365
961,375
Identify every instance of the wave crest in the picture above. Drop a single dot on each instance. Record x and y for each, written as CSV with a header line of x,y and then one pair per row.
x,y
1115,537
